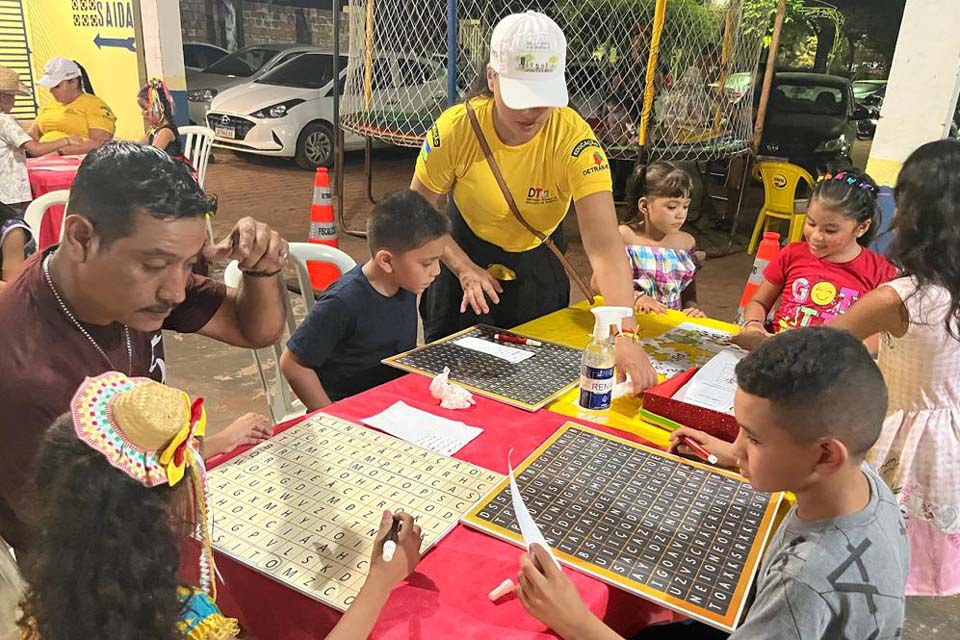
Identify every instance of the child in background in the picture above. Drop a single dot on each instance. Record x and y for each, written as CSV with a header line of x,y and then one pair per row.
x,y
156,105
663,258
16,143
821,278
370,313
16,244
918,317
810,404
121,483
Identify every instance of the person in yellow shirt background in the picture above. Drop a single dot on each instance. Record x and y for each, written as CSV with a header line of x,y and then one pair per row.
x,y
548,156
76,111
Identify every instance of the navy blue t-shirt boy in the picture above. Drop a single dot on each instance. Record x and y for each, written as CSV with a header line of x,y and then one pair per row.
x,y
350,329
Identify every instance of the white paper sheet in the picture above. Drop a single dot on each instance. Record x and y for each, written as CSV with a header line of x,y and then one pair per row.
x,y
528,528
502,351
715,384
423,428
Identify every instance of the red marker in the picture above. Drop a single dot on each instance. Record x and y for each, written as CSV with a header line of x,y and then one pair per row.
x,y
505,337
699,450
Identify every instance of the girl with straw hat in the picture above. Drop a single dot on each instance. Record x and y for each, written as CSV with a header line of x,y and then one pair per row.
x,y
122,485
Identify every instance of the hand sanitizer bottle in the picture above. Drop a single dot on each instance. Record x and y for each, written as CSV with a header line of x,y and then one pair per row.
x,y
596,366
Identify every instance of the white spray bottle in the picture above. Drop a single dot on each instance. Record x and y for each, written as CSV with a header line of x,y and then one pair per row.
x,y
596,366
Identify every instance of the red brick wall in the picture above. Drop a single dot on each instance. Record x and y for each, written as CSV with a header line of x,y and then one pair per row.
x,y
263,23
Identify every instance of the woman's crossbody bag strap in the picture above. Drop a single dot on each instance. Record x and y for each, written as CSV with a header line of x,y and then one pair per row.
x,y
512,205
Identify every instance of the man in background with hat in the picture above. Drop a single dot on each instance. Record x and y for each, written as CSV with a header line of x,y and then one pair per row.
x,y
98,301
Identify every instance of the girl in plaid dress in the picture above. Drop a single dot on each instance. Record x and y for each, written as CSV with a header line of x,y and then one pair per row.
x,y
663,258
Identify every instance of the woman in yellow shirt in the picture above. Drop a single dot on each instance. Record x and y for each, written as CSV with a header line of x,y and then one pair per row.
x,y
548,156
76,112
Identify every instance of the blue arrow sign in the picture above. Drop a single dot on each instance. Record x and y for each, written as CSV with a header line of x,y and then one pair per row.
x,y
122,43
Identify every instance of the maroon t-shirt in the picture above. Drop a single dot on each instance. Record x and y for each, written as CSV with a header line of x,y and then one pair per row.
x,y
44,358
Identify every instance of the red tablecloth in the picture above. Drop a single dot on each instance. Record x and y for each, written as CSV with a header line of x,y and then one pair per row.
x,y
447,596
47,174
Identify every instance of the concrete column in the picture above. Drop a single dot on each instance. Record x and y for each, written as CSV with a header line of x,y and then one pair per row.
x,y
162,47
923,85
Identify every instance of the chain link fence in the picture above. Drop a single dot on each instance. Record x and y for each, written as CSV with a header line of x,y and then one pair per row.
x,y
699,109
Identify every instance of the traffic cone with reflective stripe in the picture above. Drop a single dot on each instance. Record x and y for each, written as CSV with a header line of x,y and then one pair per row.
x,y
769,248
323,230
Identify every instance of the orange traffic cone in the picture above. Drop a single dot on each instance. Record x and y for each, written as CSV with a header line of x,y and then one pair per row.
x,y
769,248
323,230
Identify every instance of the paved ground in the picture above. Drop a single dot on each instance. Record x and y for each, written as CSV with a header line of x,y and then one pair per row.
x,y
278,193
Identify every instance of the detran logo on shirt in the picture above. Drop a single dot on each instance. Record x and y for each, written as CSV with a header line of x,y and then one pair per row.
x,y
539,195
599,164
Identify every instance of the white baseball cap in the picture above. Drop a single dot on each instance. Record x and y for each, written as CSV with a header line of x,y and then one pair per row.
x,y
58,70
529,53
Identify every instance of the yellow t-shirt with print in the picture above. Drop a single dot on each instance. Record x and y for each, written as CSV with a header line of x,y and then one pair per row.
x,y
563,161
86,112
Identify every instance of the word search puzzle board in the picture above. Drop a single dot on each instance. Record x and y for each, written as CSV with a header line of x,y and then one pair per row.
x,y
677,532
305,506
528,384
684,347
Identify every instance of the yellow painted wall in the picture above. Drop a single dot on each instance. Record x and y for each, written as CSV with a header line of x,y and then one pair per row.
x,y
74,29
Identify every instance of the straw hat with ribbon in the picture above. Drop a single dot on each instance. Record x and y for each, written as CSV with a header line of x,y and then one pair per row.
x,y
10,83
148,431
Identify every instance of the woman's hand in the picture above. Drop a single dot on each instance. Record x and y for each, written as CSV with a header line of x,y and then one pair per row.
x,y
631,359
643,303
478,285
720,448
694,312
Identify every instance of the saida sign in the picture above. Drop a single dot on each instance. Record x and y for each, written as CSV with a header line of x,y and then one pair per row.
x,y
100,36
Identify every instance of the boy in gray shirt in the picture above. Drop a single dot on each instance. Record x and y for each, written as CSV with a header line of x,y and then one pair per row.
x,y
810,404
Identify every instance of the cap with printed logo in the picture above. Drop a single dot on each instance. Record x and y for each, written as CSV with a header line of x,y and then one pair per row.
x,y
58,70
528,51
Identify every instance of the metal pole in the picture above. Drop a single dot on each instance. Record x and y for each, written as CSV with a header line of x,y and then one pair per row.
x,y
338,168
337,138
768,76
451,52
659,15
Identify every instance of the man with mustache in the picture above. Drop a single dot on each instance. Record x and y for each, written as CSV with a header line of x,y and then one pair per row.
x,y
98,301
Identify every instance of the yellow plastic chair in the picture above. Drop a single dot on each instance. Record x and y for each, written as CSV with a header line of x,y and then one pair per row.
x,y
780,182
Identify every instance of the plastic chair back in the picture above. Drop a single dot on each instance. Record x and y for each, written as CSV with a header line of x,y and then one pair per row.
x,y
281,402
196,148
780,182
303,252
38,208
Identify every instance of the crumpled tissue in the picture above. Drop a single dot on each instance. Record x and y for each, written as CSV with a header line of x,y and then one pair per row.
x,y
450,395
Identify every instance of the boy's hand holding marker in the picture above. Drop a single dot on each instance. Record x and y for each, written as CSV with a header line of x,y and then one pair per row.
x,y
722,450
396,551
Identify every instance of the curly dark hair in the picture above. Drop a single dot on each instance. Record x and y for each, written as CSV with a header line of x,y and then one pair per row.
x,y
820,382
404,221
658,179
119,179
853,194
105,561
927,221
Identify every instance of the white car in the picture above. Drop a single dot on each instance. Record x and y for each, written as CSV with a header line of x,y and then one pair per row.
x,y
288,112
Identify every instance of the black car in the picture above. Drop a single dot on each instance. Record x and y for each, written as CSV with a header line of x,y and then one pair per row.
x,y
811,121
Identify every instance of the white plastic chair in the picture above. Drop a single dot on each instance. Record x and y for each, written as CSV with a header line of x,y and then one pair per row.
x,y
38,208
281,402
196,149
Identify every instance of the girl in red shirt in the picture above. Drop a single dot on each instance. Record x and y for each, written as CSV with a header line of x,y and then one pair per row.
x,y
819,279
